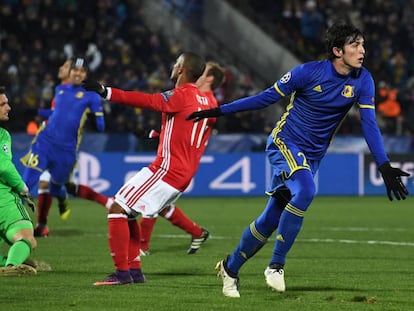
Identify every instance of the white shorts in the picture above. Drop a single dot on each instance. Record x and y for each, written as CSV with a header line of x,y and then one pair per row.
x,y
45,176
146,194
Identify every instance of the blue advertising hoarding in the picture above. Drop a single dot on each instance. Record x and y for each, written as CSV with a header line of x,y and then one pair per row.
x,y
239,174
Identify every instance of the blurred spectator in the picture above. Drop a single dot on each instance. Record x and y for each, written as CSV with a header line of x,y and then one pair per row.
x,y
312,27
36,36
389,108
397,69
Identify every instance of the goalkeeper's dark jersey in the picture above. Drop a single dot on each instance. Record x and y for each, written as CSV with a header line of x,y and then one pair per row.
x,y
320,100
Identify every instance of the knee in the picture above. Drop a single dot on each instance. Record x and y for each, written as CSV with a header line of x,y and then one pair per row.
x,y
33,242
29,240
43,185
304,196
115,208
167,212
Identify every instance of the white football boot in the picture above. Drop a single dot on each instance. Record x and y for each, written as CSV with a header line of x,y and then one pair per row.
x,y
230,285
275,279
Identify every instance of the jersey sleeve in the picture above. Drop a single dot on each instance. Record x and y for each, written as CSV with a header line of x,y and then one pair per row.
x,y
8,172
286,85
168,101
97,109
255,102
370,129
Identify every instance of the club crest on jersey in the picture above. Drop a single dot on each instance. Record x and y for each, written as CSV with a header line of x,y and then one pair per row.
x,y
285,78
348,91
5,148
167,94
79,94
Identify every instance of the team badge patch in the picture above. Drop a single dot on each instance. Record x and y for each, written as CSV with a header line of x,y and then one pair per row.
x,y
5,148
285,78
167,94
79,94
348,91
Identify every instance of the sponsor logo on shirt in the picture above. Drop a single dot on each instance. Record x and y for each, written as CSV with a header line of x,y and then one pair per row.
x,y
167,94
348,91
318,88
5,148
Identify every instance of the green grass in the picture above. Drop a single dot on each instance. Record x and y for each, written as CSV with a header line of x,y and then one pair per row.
x,y
352,254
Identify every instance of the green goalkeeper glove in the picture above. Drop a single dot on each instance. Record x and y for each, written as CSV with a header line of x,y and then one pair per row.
x,y
27,198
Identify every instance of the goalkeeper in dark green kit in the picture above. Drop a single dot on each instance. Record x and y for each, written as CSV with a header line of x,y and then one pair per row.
x,y
16,227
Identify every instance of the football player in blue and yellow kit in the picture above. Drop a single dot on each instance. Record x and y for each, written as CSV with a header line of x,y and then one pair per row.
x,y
322,92
56,145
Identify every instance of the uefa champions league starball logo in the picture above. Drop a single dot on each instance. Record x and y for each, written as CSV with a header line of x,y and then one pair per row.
x,y
285,78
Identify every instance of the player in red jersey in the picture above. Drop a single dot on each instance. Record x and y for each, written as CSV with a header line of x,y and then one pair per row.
x,y
212,78
180,148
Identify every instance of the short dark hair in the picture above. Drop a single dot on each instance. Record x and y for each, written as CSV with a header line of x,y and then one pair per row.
x,y
2,90
338,35
194,64
79,61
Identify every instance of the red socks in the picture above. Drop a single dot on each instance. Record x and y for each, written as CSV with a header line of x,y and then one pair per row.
x,y
134,260
43,206
147,225
88,193
177,217
174,215
118,240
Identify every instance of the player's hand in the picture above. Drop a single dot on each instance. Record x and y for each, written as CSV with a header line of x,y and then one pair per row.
x,y
392,181
96,87
27,198
146,134
209,113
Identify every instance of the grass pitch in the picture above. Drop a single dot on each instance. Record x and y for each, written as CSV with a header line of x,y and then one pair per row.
x,y
352,254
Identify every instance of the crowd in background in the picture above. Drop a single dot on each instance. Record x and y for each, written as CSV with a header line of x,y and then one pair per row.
x,y
37,36
388,26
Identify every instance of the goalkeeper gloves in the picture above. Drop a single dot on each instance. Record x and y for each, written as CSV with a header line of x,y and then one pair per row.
x,y
27,198
95,87
209,113
392,181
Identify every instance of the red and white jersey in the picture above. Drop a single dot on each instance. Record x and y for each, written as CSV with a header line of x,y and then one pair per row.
x,y
182,142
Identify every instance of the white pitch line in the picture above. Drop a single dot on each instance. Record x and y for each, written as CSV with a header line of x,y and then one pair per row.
x,y
215,237
370,242
357,229
341,241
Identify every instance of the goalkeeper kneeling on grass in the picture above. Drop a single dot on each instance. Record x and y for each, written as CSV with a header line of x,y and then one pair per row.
x,y
16,226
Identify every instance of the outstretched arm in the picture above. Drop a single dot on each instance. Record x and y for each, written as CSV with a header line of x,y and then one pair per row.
x,y
254,102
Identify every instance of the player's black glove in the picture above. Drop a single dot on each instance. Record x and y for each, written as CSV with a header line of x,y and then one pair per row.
x,y
392,181
95,87
146,134
27,198
209,113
